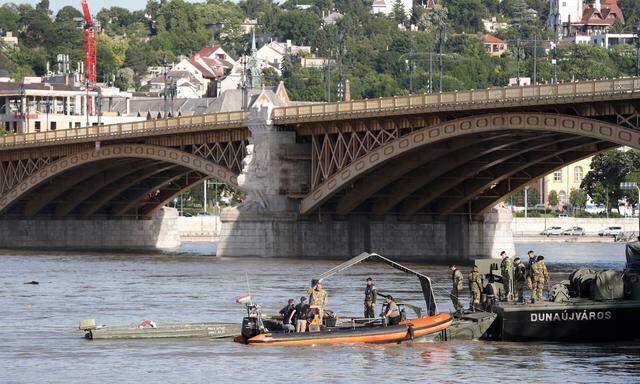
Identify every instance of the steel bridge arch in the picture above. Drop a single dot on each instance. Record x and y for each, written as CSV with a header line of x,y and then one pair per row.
x,y
118,151
487,123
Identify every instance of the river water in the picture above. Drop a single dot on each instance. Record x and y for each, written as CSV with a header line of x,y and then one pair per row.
x,y
39,340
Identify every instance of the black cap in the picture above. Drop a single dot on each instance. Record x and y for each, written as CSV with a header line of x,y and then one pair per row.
x,y
314,282
516,259
540,258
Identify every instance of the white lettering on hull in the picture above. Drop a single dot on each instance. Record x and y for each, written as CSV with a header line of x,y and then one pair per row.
x,y
571,316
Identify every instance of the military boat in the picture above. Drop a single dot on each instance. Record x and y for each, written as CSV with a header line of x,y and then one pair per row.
x,y
257,331
590,306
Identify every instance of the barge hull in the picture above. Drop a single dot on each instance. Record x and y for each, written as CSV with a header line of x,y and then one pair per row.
x,y
576,321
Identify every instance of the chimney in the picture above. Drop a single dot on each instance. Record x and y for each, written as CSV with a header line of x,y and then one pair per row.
x,y
347,90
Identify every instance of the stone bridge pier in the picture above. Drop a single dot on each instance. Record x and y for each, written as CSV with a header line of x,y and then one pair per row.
x,y
269,223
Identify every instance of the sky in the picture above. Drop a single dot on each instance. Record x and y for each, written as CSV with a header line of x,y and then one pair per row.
x,y
94,5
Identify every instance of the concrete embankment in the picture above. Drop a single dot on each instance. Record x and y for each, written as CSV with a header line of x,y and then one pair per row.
x,y
527,230
199,228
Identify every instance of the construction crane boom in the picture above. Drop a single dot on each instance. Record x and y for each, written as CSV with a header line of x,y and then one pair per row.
x,y
90,49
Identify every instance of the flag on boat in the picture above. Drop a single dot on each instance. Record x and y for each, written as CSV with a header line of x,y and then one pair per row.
x,y
243,299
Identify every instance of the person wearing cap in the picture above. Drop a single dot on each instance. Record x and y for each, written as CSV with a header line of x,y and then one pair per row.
x,y
540,278
519,278
475,286
456,282
317,296
370,293
302,310
391,313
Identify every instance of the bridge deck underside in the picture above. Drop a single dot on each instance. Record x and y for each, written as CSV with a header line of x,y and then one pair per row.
x,y
462,175
125,187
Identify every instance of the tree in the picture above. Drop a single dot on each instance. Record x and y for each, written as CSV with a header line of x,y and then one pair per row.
x,y
578,198
430,20
553,198
608,170
67,14
399,13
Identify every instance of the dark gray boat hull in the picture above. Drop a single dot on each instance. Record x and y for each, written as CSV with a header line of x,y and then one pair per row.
x,y
578,320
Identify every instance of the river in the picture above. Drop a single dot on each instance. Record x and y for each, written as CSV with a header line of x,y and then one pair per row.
x,y
39,340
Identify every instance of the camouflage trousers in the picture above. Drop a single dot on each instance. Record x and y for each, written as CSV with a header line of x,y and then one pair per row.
x,y
538,286
506,284
475,300
454,295
369,310
518,291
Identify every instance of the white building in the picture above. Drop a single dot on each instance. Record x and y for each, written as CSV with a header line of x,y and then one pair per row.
x,y
568,11
493,25
608,40
43,106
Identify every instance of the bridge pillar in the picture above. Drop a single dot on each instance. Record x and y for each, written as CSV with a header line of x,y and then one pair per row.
x,y
268,224
160,232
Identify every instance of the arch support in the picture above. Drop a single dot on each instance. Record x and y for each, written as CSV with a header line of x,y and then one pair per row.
x,y
469,126
166,155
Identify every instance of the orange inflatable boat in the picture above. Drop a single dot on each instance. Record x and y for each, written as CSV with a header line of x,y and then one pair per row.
x,y
405,331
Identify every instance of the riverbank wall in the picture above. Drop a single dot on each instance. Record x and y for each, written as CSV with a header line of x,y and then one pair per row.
x,y
532,226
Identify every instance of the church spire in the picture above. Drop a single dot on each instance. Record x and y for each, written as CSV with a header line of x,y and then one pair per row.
x,y
254,70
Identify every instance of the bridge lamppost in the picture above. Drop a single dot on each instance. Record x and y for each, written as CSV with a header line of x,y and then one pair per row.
x,y
633,186
636,27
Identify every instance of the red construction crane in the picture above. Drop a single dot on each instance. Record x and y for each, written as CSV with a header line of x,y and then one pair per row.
x,y
91,56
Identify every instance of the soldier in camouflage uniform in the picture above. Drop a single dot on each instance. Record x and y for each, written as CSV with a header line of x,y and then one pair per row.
x,y
317,297
456,281
532,260
505,271
475,286
370,293
540,278
519,278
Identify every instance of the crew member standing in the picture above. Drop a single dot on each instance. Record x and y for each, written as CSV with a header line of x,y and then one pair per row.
x,y
540,278
475,286
302,310
456,281
532,260
318,297
519,278
505,271
370,293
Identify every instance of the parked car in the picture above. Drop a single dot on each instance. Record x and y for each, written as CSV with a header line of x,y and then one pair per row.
x,y
184,214
539,207
574,231
611,231
552,231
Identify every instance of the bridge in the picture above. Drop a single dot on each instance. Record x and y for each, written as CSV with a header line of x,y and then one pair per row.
x,y
356,174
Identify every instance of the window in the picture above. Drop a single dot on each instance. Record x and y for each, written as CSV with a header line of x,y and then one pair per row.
x,y
578,174
562,197
37,126
54,125
557,176
564,3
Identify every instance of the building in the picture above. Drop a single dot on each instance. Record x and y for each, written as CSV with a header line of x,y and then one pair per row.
x,y
9,39
494,46
331,17
43,106
608,40
578,17
248,25
493,25
183,84
273,52
563,181
5,76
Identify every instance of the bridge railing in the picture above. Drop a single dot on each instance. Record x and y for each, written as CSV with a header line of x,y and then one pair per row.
x,y
533,92
150,127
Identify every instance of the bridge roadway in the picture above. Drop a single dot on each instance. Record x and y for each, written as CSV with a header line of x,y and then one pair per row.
x,y
435,155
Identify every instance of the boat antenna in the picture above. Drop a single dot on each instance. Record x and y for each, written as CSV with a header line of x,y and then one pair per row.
x,y
246,276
